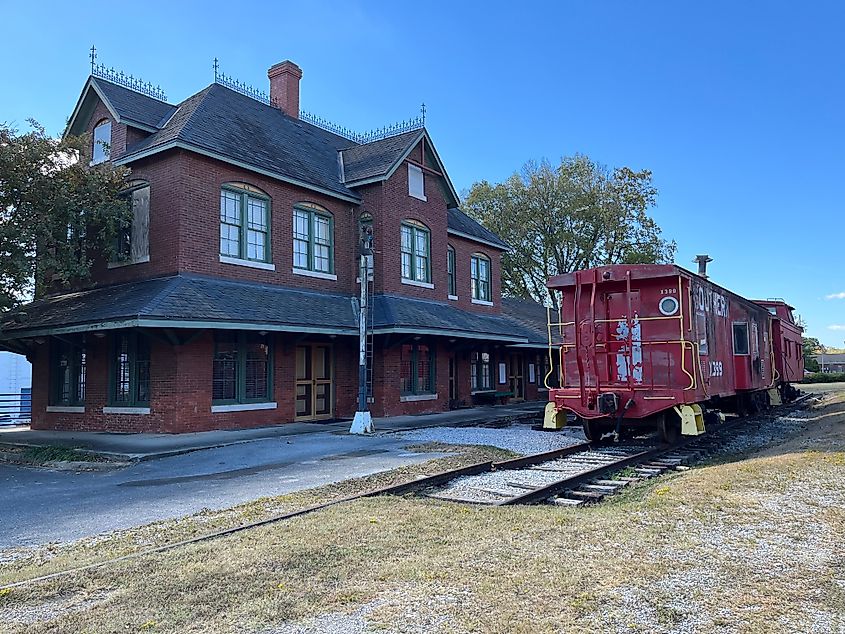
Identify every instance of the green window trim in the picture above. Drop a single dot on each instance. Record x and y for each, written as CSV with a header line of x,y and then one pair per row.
x,y
129,370
450,269
243,225
414,388
415,261
241,340
311,241
67,373
480,273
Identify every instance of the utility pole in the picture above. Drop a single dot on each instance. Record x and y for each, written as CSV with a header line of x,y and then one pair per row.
x,y
363,421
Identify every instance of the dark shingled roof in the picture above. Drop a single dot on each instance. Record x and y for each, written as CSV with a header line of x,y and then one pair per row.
x,y
530,315
189,298
133,106
226,123
375,159
405,313
460,222
243,129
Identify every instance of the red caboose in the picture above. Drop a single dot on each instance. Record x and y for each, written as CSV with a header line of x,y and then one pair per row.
x,y
652,344
788,344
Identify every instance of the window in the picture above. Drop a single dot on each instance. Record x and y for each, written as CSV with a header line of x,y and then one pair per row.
x,y
417,369
415,252
242,368
313,237
130,370
416,182
244,224
480,273
68,372
102,142
740,338
480,370
133,241
450,268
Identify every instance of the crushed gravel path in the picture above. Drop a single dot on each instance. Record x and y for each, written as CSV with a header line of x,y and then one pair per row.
x,y
519,439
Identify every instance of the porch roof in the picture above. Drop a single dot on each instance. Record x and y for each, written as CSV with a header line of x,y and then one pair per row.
x,y
191,301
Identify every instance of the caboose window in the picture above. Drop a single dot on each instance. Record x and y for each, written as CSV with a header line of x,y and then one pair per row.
x,y
741,338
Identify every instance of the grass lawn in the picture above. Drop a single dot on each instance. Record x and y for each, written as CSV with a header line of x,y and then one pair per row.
x,y
756,545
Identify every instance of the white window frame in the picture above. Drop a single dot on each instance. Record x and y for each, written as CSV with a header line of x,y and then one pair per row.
x,y
101,142
416,182
479,283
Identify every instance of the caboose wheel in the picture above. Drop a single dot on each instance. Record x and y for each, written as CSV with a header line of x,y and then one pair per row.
x,y
593,429
669,428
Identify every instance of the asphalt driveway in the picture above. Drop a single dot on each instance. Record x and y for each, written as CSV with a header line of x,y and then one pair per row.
x,y
40,505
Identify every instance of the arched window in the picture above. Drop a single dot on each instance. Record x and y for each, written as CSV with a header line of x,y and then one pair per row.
x,y
416,252
244,223
450,269
313,239
102,142
480,273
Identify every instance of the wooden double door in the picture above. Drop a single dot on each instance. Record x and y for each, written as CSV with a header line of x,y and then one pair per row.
x,y
314,382
516,376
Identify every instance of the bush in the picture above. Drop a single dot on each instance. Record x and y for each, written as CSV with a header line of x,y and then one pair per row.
x,y
824,377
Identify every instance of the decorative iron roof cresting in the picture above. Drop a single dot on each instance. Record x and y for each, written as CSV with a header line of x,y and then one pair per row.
x,y
127,81
416,123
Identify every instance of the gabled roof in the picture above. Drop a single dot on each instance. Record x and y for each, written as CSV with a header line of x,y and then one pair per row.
x,y
379,160
460,224
372,160
126,106
227,125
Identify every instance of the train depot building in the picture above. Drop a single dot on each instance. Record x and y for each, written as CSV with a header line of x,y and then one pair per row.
x,y
234,302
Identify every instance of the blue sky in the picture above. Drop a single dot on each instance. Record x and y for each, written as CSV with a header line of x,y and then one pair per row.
x,y
737,107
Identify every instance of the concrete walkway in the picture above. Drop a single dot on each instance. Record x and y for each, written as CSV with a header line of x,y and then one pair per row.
x,y
151,446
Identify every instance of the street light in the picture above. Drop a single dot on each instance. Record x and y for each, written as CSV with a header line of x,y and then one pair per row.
x,y
363,421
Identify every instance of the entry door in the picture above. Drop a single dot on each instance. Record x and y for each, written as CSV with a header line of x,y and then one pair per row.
x,y
314,382
517,382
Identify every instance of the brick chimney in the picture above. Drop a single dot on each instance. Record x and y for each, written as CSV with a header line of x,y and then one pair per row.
x,y
284,87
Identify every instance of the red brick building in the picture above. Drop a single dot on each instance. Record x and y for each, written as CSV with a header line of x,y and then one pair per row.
x,y
234,300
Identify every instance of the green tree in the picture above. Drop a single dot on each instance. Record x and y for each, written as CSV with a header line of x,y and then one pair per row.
x,y
577,215
812,347
56,211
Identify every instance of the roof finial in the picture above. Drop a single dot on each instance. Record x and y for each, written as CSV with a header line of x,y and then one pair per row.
x,y
216,68
422,113
93,56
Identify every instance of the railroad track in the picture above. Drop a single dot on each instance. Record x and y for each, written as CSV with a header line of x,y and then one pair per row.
x,y
581,474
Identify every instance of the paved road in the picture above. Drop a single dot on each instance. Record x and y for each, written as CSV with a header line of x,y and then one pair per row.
x,y
39,505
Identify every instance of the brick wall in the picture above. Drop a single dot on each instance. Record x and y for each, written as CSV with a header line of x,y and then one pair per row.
x,y
181,388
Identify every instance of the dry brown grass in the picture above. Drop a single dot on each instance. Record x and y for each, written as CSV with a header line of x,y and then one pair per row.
x,y
25,563
751,546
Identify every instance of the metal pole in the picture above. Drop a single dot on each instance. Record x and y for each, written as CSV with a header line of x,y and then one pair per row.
x,y
363,421
362,336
